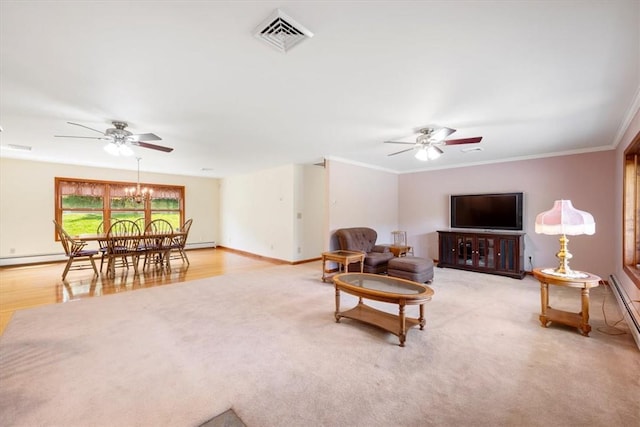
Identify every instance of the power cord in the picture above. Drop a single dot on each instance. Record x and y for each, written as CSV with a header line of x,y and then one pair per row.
x,y
614,325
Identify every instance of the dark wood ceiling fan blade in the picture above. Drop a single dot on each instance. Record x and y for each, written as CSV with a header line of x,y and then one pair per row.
x,y
402,151
399,142
104,138
460,141
145,137
152,146
86,127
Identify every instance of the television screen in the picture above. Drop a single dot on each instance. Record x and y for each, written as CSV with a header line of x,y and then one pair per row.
x,y
501,211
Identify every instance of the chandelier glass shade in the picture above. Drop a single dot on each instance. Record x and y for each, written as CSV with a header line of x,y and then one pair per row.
x,y
138,194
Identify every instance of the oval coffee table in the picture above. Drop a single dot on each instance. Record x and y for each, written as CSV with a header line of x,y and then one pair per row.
x,y
385,289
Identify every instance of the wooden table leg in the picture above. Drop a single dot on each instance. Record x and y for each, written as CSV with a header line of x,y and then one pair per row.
x,y
324,269
421,319
337,313
544,302
585,328
403,327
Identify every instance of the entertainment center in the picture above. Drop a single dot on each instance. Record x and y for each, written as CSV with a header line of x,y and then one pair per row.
x,y
486,234
499,253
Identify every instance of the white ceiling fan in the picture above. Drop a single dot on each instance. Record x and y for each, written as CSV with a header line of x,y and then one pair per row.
x,y
121,139
428,141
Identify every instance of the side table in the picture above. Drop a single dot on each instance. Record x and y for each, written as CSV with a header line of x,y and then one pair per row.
x,y
548,314
401,250
343,259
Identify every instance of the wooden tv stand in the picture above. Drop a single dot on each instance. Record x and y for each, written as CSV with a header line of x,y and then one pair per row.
x,y
493,252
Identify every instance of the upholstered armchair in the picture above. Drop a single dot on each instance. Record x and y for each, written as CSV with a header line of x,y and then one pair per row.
x,y
363,239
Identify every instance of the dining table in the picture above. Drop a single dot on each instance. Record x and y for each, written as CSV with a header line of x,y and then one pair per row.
x,y
103,241
102,237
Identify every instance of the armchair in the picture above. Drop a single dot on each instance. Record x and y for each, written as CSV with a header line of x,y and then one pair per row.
x,y
363,239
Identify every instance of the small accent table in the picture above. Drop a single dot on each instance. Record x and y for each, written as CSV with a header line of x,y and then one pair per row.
x,y
400,250
548,314
343,259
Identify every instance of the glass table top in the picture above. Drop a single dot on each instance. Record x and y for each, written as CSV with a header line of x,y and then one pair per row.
x,y
381,283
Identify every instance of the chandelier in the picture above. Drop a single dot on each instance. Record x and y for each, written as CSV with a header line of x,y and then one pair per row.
x,y
136,193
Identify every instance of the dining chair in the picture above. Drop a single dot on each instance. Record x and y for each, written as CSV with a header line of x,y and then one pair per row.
x,y
123,240
157,239
140,222
179,242
75,251
102,244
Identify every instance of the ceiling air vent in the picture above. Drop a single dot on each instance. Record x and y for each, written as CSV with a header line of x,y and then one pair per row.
x,y
471,149
281,31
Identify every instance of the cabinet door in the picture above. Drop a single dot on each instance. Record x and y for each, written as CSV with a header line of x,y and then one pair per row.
x,y
465,246
507,255
447,248
485,252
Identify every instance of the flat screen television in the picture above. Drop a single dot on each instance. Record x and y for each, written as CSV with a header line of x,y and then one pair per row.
x,y
499,211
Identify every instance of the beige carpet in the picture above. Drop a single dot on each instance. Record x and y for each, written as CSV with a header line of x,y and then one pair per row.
x,y
265,344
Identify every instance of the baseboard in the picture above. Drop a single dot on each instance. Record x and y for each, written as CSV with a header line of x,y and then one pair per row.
x,y
270,259
57,257
630,314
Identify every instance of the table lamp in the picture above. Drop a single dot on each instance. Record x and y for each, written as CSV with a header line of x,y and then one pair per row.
x,y
563,219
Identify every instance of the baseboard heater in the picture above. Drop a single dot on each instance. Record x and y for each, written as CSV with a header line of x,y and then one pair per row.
x,y
632,319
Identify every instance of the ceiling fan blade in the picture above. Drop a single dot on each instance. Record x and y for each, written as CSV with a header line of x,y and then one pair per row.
x,y
104,138
398,152
86,127
399,142
473,140
152,146
145,137
441,133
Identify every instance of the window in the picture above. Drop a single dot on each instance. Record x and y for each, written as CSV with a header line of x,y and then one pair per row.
x,y
631,214
82,206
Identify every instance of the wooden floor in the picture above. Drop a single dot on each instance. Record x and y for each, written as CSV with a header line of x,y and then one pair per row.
x,y
35,285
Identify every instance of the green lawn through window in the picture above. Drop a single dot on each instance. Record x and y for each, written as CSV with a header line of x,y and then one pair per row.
x,y
87,223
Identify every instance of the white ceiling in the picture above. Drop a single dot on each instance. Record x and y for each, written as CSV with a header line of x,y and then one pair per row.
x,y
534,78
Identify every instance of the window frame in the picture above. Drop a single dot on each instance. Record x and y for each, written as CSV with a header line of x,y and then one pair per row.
x,y
106,205
630,211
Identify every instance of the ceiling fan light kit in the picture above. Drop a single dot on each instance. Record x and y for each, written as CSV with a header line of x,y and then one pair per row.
x,y
116,149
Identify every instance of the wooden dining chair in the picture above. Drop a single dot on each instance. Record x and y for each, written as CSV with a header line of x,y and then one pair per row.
x,y
75,251
123,242
157,239
179,242
140,222
102,244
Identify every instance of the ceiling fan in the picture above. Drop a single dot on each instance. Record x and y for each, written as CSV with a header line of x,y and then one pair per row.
x,y
428,141
121,139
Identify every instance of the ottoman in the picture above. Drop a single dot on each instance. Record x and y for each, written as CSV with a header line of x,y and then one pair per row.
x,y
411,268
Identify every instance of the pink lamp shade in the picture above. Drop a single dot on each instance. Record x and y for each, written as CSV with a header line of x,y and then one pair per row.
x,y
563,218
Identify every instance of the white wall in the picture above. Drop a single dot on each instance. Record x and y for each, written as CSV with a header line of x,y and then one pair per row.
x,y
585,179
27,203
313,211
358,196
260,212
